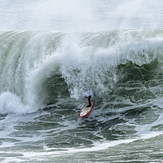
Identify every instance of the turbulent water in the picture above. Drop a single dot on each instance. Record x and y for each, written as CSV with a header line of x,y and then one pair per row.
x,y
44,69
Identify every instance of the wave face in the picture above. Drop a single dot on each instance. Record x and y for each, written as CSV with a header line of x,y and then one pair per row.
x,y
42,76
39,67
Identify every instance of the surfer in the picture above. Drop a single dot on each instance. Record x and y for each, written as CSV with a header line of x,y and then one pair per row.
x,y
87,108
88,95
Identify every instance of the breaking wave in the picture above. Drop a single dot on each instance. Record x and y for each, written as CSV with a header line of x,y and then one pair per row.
x,y
38,68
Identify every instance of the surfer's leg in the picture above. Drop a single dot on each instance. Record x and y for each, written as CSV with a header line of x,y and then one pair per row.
x,y
89,99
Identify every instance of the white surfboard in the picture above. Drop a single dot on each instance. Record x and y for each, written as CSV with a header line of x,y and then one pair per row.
x,y
86,110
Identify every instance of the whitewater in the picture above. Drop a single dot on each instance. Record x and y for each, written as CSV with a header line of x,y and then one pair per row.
x,y
50,51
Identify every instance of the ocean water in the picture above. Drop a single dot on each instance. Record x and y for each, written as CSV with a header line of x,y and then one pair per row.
x,y
50,51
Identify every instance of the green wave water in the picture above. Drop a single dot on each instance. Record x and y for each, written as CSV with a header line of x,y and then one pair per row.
x,y
42,76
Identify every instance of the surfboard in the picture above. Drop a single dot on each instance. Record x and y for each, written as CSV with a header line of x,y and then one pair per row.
x,y
86,110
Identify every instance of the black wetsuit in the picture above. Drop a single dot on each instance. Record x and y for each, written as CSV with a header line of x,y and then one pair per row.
x,y
89,100
88,95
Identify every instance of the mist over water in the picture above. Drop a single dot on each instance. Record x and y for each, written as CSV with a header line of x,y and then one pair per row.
x,y
51,50
92,15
